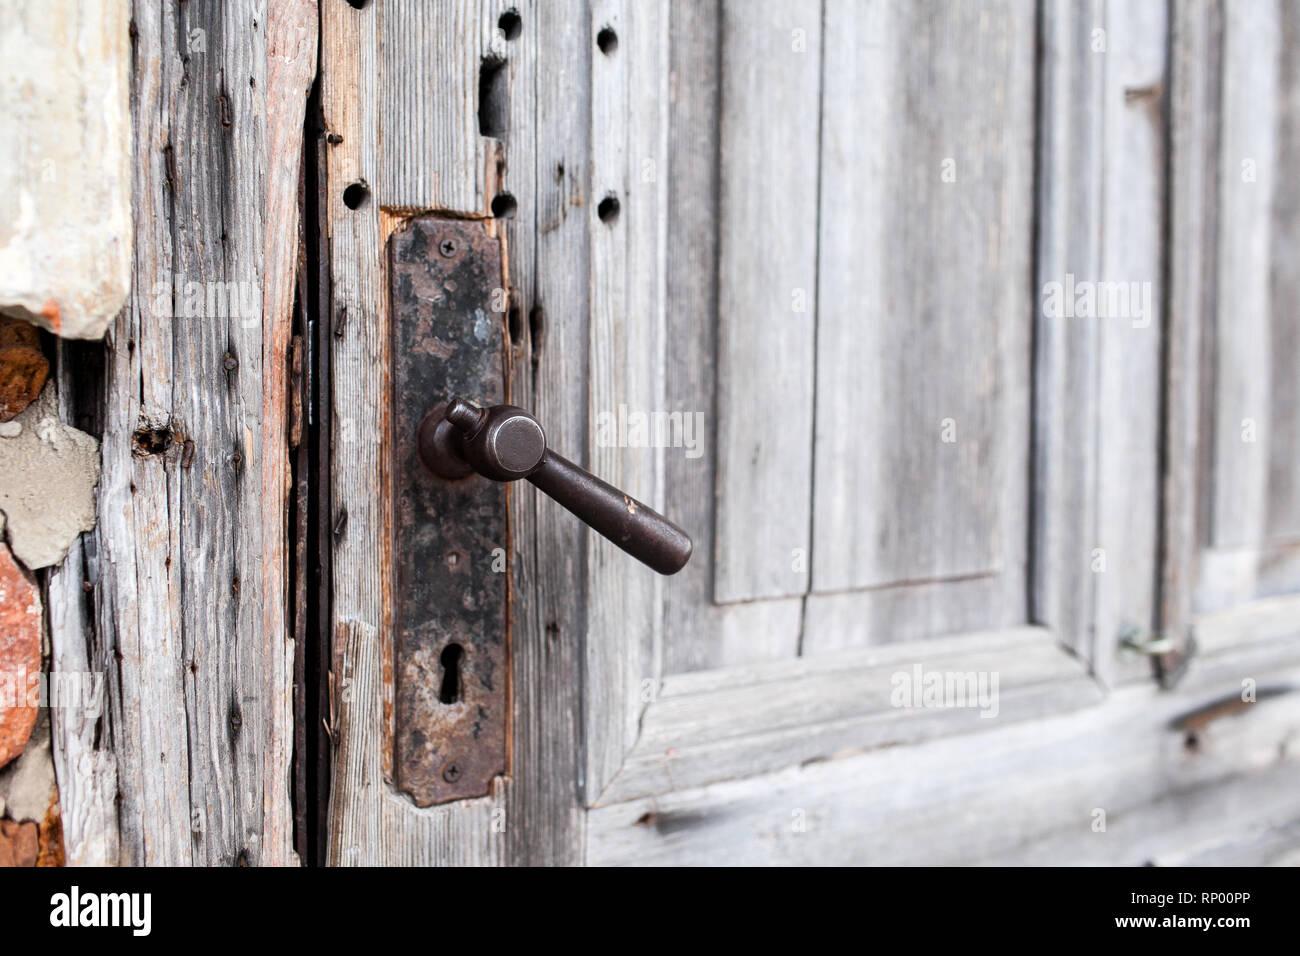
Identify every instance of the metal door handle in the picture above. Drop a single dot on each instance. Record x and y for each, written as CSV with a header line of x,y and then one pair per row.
x,y
506,443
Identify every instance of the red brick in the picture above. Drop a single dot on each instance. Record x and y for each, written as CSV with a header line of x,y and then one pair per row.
x,y
20,655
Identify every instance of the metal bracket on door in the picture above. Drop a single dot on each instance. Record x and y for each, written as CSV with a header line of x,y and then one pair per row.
x,y
450,536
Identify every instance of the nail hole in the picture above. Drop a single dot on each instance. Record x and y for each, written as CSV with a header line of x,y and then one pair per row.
x,y
493,106
515,323
504,206
607,40
608,209
450,657
355,196
536,333
511,25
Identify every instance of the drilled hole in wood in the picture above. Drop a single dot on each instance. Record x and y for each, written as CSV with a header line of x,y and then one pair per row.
x,y
493,97
608,209
515,324
607,40
504,206
511,25
355,196
449,692
358,4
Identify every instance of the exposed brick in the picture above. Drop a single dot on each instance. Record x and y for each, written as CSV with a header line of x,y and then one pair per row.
x,y
20,654
23,366
19,843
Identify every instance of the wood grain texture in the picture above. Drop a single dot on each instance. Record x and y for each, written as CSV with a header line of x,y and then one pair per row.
x,y
369,822
767,296
548,254
925,226
717,725
698,634
198,713
1192,197
1098,403
1248,178
430,154
84,763
625,352
971,799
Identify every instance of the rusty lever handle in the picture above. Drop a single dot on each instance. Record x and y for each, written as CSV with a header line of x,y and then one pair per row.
x,y
506,443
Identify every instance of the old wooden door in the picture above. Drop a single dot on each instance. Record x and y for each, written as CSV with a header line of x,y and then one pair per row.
x,y
827,244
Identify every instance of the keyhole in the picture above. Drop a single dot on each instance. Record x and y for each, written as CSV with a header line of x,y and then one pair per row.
x,y
449,692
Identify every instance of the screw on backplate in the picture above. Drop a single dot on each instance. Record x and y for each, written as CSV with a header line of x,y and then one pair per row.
x,y
451,773
448,247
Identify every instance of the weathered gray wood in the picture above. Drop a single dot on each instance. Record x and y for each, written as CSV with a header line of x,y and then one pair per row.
x,y
917,611
924,260
625,356
191,592
717,725
85,766
65,163
433,157
1097,409
1248,177
547,251
1192,194
1233,502
1027,782
697,633
767,296
369,822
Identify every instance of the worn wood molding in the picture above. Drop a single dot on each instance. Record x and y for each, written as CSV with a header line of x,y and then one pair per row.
x,y
1014,794
715,725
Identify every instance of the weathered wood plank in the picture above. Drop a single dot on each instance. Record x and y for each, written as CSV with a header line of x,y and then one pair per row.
x,y
184,600
923,269
625,355
1098,404
369,822
1248,180
85,766
714,726
1024,783
1192,197
430,154
546,145
697,633
918,611
767,296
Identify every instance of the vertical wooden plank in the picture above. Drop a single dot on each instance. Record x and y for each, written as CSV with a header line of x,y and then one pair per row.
x,y
927,118
1283,514
1070,117
1099,305
191,593
699,634
1130,348
546,170
429,65
291,40
1249,177
1194,78
369,822
767,296
626,216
